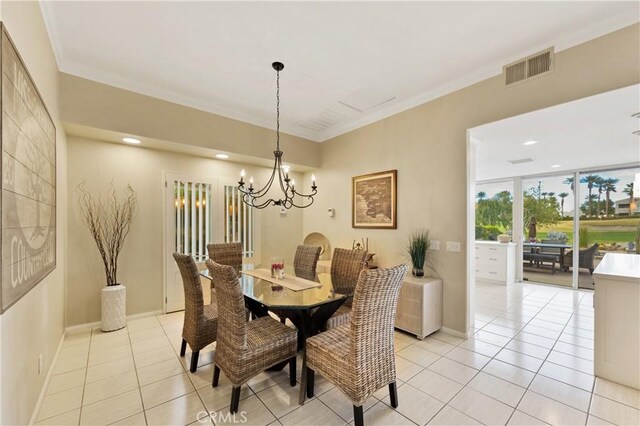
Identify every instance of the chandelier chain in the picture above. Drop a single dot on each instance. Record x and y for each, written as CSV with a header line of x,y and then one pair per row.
x,y
277,110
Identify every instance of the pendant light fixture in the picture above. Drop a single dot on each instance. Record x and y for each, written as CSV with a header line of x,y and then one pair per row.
x,y
289,197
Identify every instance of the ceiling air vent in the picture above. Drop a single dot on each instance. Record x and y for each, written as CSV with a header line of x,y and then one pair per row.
x,y
529,67
325,119
520,161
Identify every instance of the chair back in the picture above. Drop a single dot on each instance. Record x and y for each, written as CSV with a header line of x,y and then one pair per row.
x,y
306,261
373,317
551,250
345,269
229,254
232,324
193,299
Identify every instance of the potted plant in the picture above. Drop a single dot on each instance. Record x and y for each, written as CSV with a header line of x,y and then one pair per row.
x,y
417,248
108,218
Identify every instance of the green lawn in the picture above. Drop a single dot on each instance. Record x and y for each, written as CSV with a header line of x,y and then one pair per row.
x,y
622,230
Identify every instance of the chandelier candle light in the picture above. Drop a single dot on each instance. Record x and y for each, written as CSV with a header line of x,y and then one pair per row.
x,y
292,198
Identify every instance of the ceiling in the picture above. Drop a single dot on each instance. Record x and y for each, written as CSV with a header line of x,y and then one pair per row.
x,y
588,133
346,63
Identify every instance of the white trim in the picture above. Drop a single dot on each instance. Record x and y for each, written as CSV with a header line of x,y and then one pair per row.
x,y
453,332
471,234
92,325
45,385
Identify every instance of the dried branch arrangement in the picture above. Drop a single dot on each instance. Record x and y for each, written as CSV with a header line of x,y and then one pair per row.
x,y
108,218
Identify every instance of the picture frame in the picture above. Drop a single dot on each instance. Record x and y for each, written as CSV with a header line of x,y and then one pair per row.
x,y
374,200
28,202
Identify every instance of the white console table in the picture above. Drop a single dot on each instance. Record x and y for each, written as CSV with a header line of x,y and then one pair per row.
x,y
617,319
420,306
495,262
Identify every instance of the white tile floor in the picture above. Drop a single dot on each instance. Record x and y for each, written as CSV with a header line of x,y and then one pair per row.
x,y
529,362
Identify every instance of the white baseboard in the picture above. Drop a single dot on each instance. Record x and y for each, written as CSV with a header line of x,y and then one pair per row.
x,y
455,333
45,385
92,325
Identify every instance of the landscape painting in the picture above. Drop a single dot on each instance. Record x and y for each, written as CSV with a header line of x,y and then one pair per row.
x,y
28,181
374,200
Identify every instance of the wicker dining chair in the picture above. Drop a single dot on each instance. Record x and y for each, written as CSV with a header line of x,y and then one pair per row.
x,y
246,348
305,261
346,266
358,358
225,254
200,320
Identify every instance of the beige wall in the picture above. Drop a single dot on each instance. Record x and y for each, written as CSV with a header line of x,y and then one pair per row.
x,y
35,324
427,145
88,103
141,262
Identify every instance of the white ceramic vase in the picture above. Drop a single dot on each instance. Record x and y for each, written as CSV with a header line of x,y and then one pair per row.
x,y
114,304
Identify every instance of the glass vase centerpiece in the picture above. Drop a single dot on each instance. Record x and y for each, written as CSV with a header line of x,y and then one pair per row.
x,y
277,267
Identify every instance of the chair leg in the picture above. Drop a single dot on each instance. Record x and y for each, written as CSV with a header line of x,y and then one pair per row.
x,y
292,371
183,347
235,399
358,417
216,376
310,377
283,320
393,394
194,361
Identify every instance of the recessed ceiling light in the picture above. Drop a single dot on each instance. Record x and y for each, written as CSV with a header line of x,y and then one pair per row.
x,y
222,156
555,166
530,143
131,140
637,133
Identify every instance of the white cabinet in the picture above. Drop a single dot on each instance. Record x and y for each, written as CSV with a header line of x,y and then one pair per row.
x,y
617,319
420,306
495,262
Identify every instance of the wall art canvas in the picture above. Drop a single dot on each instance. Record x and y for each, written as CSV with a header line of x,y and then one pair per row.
x,y
374,200
28,201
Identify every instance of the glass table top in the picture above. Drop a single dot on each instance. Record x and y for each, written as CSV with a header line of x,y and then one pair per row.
x,y
274,296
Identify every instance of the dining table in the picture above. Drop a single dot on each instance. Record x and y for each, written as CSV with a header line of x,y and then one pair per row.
x,y
307,301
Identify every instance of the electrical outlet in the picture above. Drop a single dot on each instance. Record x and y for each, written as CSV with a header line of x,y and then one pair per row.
x,y
453,246
434,244
40,364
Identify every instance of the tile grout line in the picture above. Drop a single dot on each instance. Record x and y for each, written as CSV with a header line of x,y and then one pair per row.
x,y
135,368
86,372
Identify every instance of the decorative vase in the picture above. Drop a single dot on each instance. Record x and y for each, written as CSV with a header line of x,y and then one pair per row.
x,y
114,304
277,267
417,272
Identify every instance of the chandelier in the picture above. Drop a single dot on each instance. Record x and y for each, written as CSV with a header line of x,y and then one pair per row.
x,y
290,197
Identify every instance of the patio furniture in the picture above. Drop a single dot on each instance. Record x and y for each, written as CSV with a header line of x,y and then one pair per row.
x,y
548,251
586,258
346,266
246,348
200,320
358,358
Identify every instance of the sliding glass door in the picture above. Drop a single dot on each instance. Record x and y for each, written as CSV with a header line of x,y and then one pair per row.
x,y
548,216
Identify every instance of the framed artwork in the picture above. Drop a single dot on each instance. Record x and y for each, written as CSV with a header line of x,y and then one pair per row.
x,y
374,201
28,203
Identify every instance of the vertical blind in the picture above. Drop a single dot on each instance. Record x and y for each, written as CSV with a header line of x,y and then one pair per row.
x,y
194,219
238,224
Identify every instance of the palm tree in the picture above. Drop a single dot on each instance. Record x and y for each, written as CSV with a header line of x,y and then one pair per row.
x,y
609,186
628,189
481,195
569,181
591,181
599,184
562,196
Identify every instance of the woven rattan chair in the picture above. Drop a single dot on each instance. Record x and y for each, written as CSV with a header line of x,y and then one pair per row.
x,y
345,269
225,254
306,261
586,258
246,348
358,358
200,320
